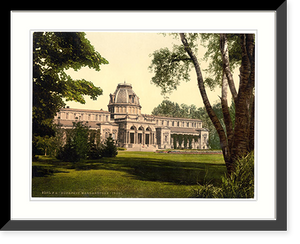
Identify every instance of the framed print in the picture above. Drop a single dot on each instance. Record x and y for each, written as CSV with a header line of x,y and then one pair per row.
x,y
149,124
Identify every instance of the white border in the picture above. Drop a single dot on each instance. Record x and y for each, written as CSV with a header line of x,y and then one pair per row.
x,y
23,208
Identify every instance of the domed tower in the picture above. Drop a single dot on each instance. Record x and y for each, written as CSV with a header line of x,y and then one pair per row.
x,y
124,101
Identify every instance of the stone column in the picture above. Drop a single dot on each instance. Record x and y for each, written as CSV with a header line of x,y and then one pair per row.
x,y
125,137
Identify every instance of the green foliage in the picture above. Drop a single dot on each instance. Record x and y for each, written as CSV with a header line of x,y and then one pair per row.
x,y
213,54
53,54
171,109
240,184
77,146
109,149
49,145
170,67
121,148
94,151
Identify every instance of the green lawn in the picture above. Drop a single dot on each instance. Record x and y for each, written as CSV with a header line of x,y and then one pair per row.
x,y
129,175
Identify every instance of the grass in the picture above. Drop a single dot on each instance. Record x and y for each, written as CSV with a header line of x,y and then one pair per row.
x,y
129,175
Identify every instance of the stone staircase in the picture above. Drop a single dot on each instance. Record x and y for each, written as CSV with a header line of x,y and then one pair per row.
x,y
142,148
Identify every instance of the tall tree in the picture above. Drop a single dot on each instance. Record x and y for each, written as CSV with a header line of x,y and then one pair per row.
x,y
238,140
53,54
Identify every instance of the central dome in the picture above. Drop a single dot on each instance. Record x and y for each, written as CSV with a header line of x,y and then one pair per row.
x,y
124,101
124,94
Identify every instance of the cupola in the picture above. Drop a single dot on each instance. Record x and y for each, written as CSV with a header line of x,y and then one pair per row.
x,y
124,101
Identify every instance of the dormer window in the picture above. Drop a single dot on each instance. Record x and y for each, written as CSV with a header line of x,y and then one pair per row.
x,y
131,98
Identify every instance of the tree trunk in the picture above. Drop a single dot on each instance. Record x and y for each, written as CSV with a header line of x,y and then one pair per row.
x,y
210,112
240,141
243,139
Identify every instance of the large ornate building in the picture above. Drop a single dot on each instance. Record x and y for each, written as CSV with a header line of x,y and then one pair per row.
x,y
132,129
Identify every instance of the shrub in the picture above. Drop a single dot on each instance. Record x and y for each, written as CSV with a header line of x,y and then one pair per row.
x,y
207,191
109,149
77,145
121,148
240,184
68,153
94,152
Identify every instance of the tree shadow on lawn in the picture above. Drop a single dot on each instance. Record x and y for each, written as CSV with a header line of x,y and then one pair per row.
x,y
42,171
163,170
143,168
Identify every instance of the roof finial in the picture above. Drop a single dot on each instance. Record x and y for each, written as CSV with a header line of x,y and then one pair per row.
x,y
124,82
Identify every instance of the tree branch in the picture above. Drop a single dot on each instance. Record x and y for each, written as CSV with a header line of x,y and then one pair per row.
x,y
226,67
225,109
181,59
208,107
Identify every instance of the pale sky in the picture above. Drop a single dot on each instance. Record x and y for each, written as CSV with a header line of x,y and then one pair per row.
x,y
128,56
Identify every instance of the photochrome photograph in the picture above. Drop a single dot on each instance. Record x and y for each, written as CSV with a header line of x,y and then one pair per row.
x,y
143,115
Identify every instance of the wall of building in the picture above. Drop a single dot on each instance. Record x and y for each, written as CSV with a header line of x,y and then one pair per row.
x,y
81,115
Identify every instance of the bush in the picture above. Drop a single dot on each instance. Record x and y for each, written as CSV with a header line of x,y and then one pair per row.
x,y
68,153
77,146
240,184
121,148
94,152
207,191
109,149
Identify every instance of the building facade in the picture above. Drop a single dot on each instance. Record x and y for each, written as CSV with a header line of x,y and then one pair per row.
x,y
132,129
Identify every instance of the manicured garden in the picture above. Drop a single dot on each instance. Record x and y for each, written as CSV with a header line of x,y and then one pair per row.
x,y
128,175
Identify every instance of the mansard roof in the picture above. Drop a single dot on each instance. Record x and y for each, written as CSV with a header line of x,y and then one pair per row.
x,y
180,130
92,124
175,118
124,94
